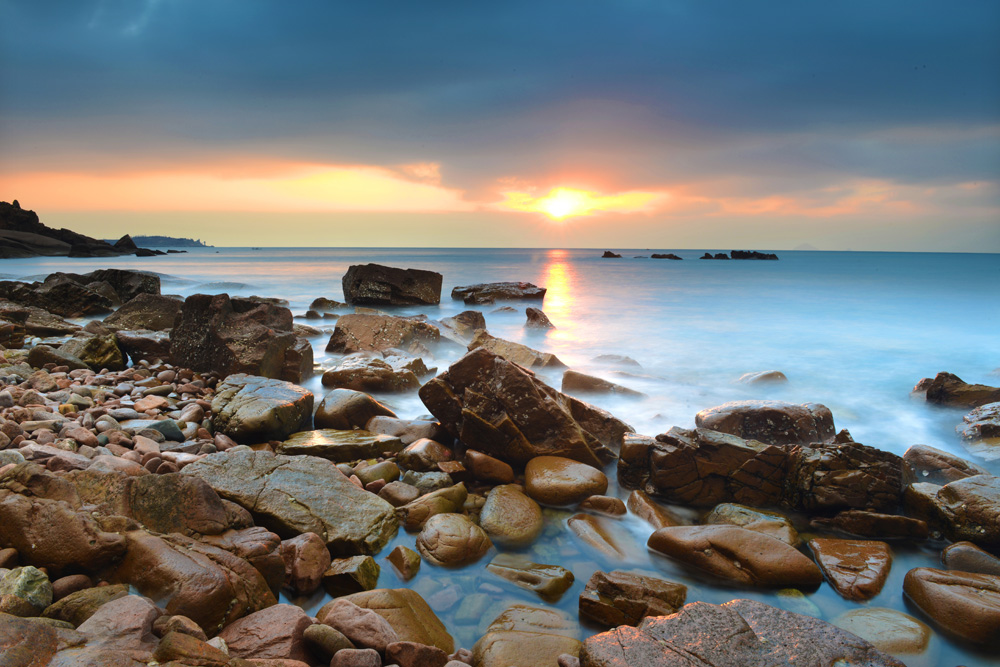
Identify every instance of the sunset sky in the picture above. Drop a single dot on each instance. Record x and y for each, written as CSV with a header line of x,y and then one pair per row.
x,y
579,123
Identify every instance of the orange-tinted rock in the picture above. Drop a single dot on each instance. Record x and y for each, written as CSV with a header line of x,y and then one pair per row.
x,y
771,524
601,534
274,632
949,389
485,468
963,604
306,558
857,569
555,480
771,422
412,654
370,332
875,524
511,518
364,627
527,637
640,504
345,409
939,467
415,514
624,598
963,556
887,629
408,614
737,554
452,540
604,505
259,547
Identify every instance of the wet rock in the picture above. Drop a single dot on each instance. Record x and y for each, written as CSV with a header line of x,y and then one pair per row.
x,y
407,613
771,422
180,648
888,630
510,518
356,657
408,430
96,351
325,641
549,581
363,627
856,569
378,285
399,493
647,509
27,642
351,575
322,303
339,446
452,540
40,355
737,554
77,607
488,469
537,320
412,654
405,561
625,598
771,524
500,408
423,455
70,584
522,355
275,632
145,311
24,591
875,524
141,344
415,514
126,284
462,327
345,409
950,390
306,558
966,509
257,546
490,292
359,332
250,408
963,604
375,375
579,383
967,557
763,377
527,637
555,480
350,520
601,534
170,503
123,627
939,467
740,632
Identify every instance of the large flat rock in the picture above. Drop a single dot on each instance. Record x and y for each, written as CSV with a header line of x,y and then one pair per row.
x,y
339,446
251,409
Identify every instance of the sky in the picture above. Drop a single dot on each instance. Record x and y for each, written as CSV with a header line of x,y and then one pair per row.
x,y
712,124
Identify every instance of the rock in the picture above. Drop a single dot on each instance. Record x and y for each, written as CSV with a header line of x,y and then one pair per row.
x,y
843,476
325,641
122,626
579,383
668,255
423,455
405,561
24,591
966,509
624,598
554,480
982,423
522,355
874,524
949,390
353,657
96,351
602,535
350,520
351,575
339,446
752,254
169,503
207,584
647,509
29,642
70,584
888,630
145,311
740,632
963,604
611,255
771,422
229,336
257,546
407,613
967,557
763,377
767,523
451,540
188,650
939,467
415,514
60,294
363,627
490,292
856,569
527,637
386,471
40,355
142,344
250,408
549,581
412,654
537,320
499,408
345,409
488,469
306,559
510,518
464,325
359,332
399,493
737,554
275,632
77,607
364,374
322,303
126,284
377,285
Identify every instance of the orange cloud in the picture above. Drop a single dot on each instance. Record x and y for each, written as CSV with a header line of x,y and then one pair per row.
x,y
562,203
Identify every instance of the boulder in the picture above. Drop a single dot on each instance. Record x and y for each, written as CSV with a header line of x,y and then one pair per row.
x,y
29,642
96,351
306,559
463,326
511,518
378,285
339,446
939,467
370,375
145,311
363,627
24,591
967,557
951,391
856,569
251,409
963,604
527,637
763,377
887,629
737,554
351,575
874,524
368,332
574,382
770,422
77,607
740,632
488,469
40,355
668,255
536,319
771,524
36,321
499,408
452,540
966,509
274,632
413,515
59,294
345,409
625,598
412,654
490,292
549,581
522,355
611,255
350,520
556,480
142,344
981,431
257,546
408,614
126,284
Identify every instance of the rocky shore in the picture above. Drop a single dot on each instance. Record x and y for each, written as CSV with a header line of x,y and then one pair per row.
x,y
169,490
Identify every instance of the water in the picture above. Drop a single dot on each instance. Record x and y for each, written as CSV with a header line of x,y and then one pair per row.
x,y
854,331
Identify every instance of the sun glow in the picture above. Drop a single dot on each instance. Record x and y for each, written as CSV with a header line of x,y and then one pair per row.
x,y
561,203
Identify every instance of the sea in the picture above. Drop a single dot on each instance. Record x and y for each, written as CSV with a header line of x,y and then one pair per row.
x,y
854,331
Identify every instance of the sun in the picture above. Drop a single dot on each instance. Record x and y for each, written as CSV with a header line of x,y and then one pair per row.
x,y
564,202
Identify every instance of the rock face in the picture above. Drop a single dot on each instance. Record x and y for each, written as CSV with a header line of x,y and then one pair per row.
x,y
950,390
737,554
556,480
963,604
771,422
499,408
145,311
216,333
490,292
522,355
377,285
251,409
350,520
966,509
742,632
362,332
623,598
857,569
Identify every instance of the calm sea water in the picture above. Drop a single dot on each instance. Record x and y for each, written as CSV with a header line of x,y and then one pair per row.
x,y
854,331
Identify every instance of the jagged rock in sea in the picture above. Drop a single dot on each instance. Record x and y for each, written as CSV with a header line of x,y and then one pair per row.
x,y
378,285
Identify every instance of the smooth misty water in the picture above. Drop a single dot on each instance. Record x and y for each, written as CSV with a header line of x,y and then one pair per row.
x,y
854,331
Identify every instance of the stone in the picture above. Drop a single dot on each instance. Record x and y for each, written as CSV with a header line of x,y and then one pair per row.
x,y
174,503
856,569
345,409
70,584
325,641
251,409
939,467
771,422
963,604
874,524
412,654
188,650
145,311
537,320
378,285
488,469
24,591
96,351
351,575
452,540
641,505
370,375
888,630
40,355
77,607
522,355
602,535
405,561
306,558
980,429
423,455
259,547
967,557
415,514
350,520
577,383
763,378
140,344
386,471
767,523
339,446
399,493
510,518
549,581
274,632
740,632
504,291
407,613
407,430
364,332
966,509
127,284
555,480
123,625
950,390
737,554
625,598
363,627
527,637
355,657
462,327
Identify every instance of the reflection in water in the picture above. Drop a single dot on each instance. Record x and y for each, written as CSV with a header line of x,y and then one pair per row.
x,y
559,280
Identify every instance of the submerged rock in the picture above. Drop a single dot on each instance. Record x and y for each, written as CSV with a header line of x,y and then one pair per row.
x,y
625,598
522,355
344,409
537,320
452,540
490,292
887,629
963,604
556,480
527,637
763,377
549,581
856,569
378,285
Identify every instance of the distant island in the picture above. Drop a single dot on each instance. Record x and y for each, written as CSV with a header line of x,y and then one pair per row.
x,y
162,241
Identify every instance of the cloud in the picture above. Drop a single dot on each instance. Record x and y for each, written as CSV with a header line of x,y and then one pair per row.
x,y
560,203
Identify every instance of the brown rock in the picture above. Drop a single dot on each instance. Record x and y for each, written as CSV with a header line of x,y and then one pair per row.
x,y
763,377
306,559
325,641
771,422
640,504
522,355
77,607
363,627
938,467
370,375
412,654
856,569
145,311
188,650
259,547
577,383
505,291
351,575
408,614
356,657
274,632
771,524
537,320
463,326
510,518
423,455
399,493
948,389
378,285
370,332
964,556
252,409
452,540
69,584
345,409
549,581
485,468
604,505
527,637
981,429
405,561
737,554
966,509
887,629
601,534
556,480
624,598
963,604
339,446
122,626
875,524
181,624
448,500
